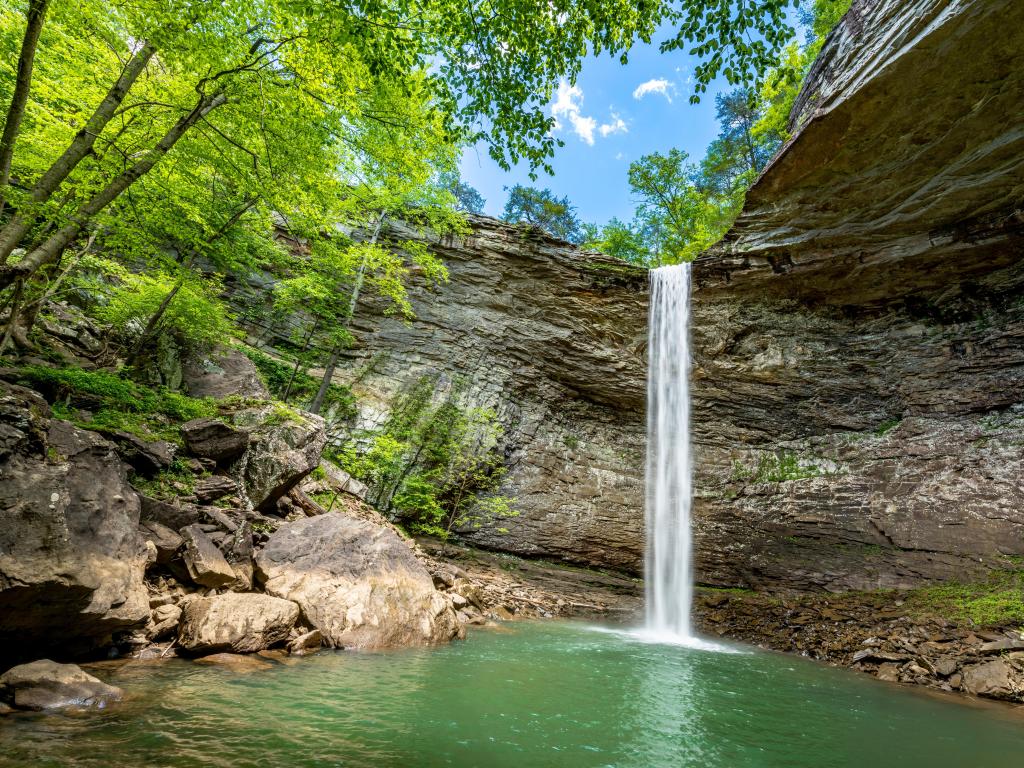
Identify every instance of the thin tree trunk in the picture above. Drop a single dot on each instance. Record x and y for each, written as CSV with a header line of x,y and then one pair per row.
x,y
22,85
49,250
158,315
80,146
298,359
332,363
12,318
54,286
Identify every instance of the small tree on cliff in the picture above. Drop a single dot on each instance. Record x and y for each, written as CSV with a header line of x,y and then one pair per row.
x,y
542,208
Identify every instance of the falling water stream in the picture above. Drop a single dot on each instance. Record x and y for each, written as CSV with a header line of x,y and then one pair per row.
x,y
669,587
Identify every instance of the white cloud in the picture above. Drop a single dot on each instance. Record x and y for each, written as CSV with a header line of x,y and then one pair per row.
x,y
568,104
658,85
615,125
568,107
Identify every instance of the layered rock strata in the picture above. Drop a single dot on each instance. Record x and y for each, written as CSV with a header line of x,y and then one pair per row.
x,y
859,336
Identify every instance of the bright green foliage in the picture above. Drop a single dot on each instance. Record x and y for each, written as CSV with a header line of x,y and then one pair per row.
x,y
196,319
116,403
436,466
543,209
175,481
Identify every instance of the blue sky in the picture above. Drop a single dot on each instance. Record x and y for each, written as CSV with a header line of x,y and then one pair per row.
x,y
612,116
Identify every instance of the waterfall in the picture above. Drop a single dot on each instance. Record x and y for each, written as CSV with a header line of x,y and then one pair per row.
x,y
668,566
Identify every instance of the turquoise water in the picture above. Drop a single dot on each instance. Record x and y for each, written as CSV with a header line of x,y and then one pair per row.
x,y
539,694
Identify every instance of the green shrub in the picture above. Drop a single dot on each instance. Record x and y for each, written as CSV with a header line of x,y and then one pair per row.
x,y
116,403
998,601
434,466
196,316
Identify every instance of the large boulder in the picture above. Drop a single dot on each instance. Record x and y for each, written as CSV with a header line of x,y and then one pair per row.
x,y
44,684
356,582
236,623
224,373
284,446
71,556
994,679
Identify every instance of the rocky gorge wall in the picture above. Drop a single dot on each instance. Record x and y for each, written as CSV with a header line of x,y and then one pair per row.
x,y
859,336
553,341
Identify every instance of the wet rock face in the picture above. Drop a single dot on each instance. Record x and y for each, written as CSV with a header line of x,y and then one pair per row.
x,y
553,341
71,556
358,583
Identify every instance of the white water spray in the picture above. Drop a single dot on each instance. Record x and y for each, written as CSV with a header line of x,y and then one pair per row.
x,y
669,572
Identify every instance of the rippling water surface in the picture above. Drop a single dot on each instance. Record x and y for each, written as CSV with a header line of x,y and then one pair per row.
x,y
544,694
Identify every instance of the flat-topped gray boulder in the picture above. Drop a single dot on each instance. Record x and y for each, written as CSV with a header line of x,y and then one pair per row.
x,y
45,684
235,623
213,439
356,582
224,373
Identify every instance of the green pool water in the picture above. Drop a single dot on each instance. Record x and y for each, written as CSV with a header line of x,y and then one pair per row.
x,y
530,694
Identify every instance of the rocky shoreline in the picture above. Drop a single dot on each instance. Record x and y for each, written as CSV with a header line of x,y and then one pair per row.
x,y
880,634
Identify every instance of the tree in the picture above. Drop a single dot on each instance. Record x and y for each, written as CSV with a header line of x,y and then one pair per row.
x,y
622,241
492,70
467,198
542,208
34,18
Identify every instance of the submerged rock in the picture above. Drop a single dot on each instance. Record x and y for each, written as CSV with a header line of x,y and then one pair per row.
x,y
236,662
45,684
235,622
359,584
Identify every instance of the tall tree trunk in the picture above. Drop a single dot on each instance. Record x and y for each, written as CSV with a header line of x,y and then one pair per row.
x,y
22,84
80,146
332,363
51,249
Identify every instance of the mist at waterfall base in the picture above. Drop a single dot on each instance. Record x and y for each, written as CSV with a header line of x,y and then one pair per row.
x,y
668,561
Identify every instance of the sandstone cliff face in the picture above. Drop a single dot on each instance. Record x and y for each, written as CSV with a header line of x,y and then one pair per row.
x,y
863,324
859,336
553,341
